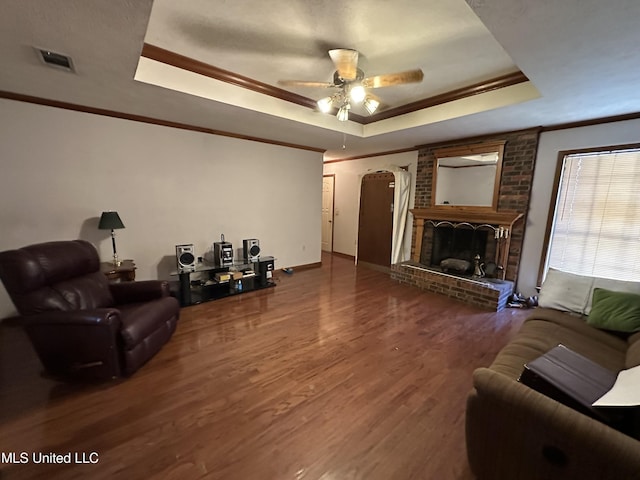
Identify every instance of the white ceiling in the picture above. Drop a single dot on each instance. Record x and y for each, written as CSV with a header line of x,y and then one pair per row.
x,y
281,39
579,55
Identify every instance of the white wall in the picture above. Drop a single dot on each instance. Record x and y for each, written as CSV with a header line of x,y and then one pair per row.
x,y
61,169
347,195
604,135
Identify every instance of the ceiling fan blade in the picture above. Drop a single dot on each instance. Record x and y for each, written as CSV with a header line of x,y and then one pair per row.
x,y
389,79
346,62
303,83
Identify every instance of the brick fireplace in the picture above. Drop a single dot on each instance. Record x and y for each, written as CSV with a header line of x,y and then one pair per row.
x,y
505,226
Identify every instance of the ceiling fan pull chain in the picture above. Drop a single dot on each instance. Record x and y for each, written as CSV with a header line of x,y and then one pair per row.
x,y
344,141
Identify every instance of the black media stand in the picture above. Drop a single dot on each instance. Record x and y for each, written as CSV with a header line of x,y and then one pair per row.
x,y
216,286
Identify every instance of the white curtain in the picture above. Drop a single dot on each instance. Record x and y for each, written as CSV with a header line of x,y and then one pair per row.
x,y
402,191
400,214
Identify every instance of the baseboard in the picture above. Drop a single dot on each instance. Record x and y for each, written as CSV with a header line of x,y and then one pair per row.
x,y
308,266
373,266
343,255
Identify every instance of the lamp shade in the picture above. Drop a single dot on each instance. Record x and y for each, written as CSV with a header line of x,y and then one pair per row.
x,y
343,112
324,104
110,221
371,104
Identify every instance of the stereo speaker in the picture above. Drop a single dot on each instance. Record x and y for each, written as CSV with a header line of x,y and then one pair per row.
x,y
251,249
185,258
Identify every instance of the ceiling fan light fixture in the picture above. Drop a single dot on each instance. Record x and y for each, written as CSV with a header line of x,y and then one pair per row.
x,y
343,112
325,104
371,105
357,93
352,85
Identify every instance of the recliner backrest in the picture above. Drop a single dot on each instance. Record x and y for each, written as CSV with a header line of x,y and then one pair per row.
x,y
61,275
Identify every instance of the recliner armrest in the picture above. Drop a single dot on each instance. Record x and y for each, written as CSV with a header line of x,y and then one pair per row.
x,y
80,344
143,291
99,316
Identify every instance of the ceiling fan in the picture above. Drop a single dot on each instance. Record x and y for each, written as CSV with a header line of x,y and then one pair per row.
x,y
352,85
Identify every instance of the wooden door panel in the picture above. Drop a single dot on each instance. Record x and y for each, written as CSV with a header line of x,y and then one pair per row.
x,y
375,226
327,212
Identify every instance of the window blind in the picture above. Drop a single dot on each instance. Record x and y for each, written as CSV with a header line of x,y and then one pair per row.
x,y
596,228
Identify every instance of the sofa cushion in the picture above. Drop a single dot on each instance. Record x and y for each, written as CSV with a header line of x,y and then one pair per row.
x,y
610,284
85,292
617,311
579,325
570,292
545,329
565,291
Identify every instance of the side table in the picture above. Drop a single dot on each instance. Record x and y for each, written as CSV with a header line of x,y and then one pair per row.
x,y
125,272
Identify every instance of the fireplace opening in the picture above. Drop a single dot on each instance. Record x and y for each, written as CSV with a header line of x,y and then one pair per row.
x,y
457,243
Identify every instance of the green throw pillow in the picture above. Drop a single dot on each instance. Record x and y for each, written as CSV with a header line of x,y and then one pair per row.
x,y
619,311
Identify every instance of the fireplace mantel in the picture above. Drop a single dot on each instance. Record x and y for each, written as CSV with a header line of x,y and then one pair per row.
x,y
500,222
476,216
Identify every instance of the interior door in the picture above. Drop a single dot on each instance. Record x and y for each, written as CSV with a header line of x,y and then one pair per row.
x,y
375,226
328,183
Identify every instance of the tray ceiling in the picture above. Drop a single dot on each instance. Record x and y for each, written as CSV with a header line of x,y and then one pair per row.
x,y
578,57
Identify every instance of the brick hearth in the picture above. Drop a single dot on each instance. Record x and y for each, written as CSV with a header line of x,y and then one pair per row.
x,y
481,293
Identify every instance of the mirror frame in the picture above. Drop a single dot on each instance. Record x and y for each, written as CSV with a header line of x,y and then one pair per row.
x,y
460,151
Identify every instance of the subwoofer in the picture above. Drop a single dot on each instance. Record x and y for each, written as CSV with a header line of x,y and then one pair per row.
x,y
265,271
251,249
185,258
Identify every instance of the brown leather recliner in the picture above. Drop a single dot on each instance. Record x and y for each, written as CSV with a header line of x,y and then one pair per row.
x,y
80,325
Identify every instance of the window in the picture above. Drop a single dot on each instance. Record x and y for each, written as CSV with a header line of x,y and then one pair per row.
x,y
596,223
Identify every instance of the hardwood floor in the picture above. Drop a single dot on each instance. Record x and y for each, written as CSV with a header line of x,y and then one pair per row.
x,y
338,373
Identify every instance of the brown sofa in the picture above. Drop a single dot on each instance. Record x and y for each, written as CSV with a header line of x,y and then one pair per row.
x,y
514,432
80,325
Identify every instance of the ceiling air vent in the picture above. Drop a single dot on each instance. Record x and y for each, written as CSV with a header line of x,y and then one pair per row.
x,y
56,60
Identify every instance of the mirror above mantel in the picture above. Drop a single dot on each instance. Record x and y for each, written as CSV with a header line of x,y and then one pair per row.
x,y
467,176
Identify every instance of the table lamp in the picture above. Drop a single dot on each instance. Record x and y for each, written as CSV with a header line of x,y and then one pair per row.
x,y
111,221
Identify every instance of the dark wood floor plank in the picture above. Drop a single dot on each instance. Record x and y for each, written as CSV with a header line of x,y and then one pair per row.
x,y
337,373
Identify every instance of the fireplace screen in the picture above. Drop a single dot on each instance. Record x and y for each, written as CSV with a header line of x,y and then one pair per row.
x,y
457,243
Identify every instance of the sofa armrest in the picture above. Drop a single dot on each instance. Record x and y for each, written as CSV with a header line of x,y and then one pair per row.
x,y
143,291
512,431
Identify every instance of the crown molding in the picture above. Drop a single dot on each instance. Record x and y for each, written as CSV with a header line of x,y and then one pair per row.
x,y
595,121
191,65
186,63
458,94
176,60
370,155
150,120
